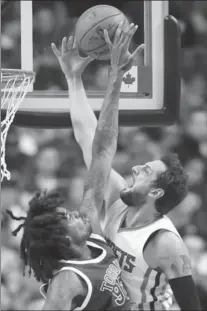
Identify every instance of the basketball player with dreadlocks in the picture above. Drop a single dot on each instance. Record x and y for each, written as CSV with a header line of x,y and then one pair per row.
x,y
66,250
151,253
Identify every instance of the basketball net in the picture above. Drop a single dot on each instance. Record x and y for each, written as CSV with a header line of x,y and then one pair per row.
x,y
15,85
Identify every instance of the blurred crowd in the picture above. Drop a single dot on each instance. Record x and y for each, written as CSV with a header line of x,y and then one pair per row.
x,y
51,159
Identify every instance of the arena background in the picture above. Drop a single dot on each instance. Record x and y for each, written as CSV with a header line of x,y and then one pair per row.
x,y
51,159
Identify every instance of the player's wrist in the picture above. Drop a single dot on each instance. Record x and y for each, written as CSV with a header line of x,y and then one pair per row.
x,y
116,73
73,76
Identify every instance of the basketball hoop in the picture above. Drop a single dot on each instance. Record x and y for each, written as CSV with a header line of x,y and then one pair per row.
x,y
15,84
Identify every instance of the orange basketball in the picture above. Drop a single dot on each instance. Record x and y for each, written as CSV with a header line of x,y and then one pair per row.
x,y
90,26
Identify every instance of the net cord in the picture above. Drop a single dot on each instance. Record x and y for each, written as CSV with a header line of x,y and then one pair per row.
x,y
11,96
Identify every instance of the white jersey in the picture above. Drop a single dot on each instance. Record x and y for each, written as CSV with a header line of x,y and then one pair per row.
x,y
148,289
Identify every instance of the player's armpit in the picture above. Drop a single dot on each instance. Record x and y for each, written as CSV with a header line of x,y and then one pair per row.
x,y
172,256
95,188
89,208
65,286
115,185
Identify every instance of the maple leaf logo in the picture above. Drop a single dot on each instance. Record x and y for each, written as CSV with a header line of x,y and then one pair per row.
x,y
128,79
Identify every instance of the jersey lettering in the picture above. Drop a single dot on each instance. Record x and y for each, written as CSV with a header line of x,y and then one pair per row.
x,y
128,264
125,260
113,283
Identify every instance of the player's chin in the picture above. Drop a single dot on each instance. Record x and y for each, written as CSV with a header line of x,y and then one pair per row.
x,y
126,196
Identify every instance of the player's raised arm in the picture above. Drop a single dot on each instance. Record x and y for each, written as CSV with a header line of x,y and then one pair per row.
x,y
82,116
83,119
105,140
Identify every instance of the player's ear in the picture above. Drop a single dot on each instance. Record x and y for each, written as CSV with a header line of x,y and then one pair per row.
x,y
156,193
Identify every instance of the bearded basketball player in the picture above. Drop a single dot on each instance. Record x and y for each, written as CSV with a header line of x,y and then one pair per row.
x,y
151,253
79,270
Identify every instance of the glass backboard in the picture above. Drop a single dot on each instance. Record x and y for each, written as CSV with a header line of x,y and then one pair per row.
x,y
149,94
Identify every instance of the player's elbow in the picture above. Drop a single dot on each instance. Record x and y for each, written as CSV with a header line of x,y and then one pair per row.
x,y
105,137
103,152
178,265
174,271
104,146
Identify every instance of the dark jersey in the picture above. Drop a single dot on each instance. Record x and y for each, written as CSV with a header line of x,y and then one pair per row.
x,y
102,275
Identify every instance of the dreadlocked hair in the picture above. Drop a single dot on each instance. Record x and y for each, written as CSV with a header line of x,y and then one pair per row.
x,y
44,241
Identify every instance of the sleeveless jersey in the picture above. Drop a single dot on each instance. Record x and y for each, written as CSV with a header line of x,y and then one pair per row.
x,y
147,288
102,276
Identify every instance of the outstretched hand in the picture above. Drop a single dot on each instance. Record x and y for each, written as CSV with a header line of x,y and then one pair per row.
x,y
121,59
71,63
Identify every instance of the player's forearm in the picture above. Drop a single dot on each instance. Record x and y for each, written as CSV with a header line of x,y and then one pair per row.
x,y
81,111
106,134
83,119
82,115
185,293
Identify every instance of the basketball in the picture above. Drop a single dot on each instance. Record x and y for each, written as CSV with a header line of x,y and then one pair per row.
x,y
90,26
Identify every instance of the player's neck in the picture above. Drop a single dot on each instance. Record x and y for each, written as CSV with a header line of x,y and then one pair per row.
x,y
138,218
85,253
88,253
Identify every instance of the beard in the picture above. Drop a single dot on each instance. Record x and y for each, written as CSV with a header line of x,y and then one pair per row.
x,y
131,198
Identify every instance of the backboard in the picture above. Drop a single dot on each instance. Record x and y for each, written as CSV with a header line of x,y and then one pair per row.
x,y
150,94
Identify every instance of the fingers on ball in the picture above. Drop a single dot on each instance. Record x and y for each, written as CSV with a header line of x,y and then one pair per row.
x,y
106,36
128,33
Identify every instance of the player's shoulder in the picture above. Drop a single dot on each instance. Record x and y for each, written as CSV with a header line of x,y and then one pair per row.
x,y
62,289
165,236
166,242
65,282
